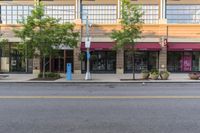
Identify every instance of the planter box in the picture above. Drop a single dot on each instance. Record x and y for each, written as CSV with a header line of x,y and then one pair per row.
x,y
154,76
194,76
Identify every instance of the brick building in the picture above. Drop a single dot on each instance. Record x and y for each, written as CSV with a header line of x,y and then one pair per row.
x,y
170,38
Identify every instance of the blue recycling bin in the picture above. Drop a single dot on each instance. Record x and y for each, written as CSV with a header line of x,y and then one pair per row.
x,y
69,71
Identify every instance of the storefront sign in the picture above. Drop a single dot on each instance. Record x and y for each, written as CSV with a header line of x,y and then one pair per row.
x,y
87,42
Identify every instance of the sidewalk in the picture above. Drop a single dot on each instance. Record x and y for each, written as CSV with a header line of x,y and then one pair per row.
x,y
174,77
100,78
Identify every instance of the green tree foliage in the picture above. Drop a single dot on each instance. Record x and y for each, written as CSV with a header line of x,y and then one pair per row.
x,y
40,35
131,22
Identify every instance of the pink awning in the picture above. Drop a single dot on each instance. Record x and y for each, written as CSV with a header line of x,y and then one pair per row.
x,y
98,46
183,46
148,46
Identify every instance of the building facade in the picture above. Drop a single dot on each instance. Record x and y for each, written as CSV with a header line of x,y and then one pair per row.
x,y
170,36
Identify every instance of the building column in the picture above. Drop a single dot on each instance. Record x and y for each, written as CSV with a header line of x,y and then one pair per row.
x,y
77,62
162,12
163,55
119,11
120,62
36,2
36,60
78,12
36,65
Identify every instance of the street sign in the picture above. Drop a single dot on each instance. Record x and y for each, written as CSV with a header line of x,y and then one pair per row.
x,y
87,42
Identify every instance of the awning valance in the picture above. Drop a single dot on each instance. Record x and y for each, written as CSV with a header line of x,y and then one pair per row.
x,y
183,46
98,46
140,46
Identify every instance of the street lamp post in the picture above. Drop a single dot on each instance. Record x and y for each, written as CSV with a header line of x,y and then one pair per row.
x,y
87,45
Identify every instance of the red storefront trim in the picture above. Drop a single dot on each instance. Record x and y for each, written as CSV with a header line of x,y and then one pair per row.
x,y
99,46
148,46
183,46
143,46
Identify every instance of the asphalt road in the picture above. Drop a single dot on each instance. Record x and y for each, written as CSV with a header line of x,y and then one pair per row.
x,y
99,108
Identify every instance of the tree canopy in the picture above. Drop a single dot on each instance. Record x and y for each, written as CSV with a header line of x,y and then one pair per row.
x,y
131,22
42,33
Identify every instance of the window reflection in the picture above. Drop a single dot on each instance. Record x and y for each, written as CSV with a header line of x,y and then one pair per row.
x,y
100,13
183,13
15,14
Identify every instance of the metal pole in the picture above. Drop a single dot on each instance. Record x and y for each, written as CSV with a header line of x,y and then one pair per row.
x,y
87,76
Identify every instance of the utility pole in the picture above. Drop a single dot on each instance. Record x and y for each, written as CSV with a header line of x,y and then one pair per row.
x,y
87,45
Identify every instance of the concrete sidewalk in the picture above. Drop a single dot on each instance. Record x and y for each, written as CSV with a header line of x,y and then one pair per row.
x,y
174,77
100,78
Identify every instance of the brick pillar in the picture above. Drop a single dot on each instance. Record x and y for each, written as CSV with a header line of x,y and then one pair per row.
x,y
163,56
120,62
77,51
77,62
36,66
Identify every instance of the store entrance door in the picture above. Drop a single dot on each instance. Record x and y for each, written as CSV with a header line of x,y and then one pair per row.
x,y
186,63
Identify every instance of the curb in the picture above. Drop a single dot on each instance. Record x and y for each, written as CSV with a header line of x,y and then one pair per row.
x,y
101,82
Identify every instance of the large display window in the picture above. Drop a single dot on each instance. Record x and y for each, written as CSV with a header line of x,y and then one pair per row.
x,y
143,61
183,61
101,61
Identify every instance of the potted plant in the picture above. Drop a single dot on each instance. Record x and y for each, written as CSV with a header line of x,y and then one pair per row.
x,y
81,56
164,75
93,57
194,75
154,74
145,74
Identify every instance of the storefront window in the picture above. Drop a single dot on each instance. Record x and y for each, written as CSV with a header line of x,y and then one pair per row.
x,y
143,61
183,13
195,61
183,61
101,61
173,59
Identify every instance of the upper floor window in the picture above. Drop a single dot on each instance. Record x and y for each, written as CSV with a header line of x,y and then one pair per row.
x,y
183,13
150,14
66,13
15,13
100,14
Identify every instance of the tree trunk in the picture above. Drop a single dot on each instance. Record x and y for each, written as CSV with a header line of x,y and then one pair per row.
x,y
43,73
133,61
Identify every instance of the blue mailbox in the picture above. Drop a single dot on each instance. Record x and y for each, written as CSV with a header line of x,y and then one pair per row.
x,y
69,71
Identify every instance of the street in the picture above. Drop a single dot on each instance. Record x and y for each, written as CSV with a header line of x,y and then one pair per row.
x,y
99,108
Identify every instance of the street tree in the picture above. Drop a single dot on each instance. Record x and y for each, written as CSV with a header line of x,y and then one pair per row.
x,y
131,22
41,35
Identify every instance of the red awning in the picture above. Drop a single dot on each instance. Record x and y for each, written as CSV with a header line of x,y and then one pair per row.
x,y
148,46
98,46
183,46
143,46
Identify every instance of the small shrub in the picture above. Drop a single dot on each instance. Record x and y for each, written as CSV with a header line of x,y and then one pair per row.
x,y
154,72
